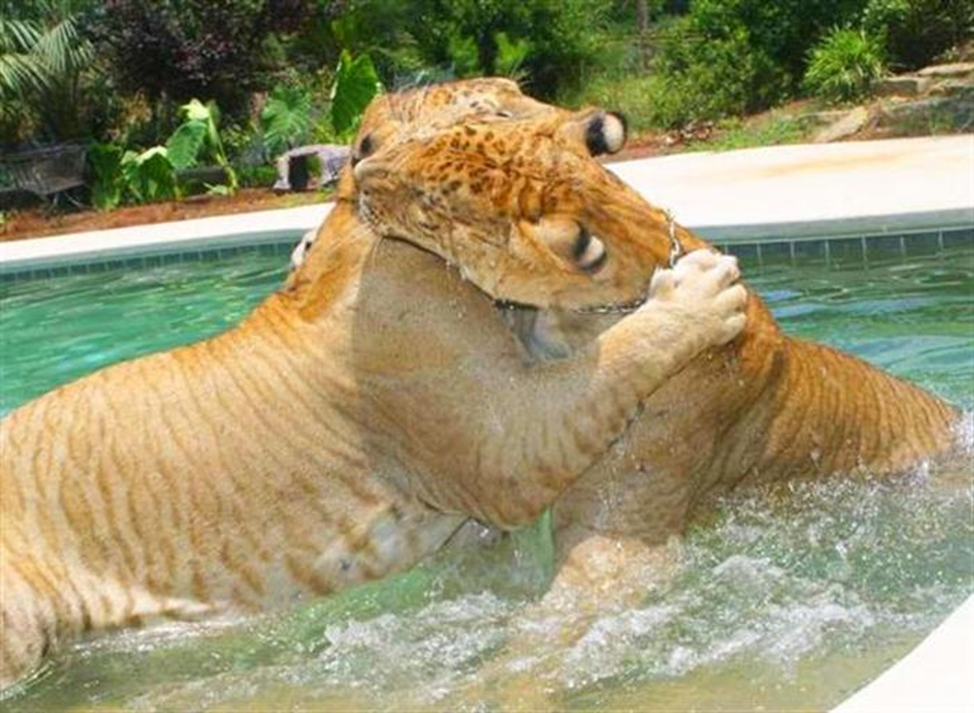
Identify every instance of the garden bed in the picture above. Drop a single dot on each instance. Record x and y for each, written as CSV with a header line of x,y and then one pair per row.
x,y
38,222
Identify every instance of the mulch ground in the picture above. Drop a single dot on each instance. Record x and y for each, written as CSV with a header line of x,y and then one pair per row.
x,y
38,222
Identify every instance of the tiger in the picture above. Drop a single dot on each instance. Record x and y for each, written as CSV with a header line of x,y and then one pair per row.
x,y
765,407
343,431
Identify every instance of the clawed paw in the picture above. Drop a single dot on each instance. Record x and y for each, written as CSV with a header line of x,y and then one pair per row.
x,y
704,283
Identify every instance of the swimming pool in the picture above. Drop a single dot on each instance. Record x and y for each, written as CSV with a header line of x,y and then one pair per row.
x,y
790,598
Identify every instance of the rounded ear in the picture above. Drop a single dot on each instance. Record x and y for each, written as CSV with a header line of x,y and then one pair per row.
x,y
600,132
606,134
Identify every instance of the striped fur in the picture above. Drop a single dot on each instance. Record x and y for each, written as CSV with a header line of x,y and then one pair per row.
x,y
765,407
340,433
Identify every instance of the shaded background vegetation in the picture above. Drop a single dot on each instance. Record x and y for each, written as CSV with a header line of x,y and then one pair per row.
x,y
118,71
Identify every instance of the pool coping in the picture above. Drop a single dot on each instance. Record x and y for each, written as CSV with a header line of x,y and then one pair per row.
x,y
774,177
933,676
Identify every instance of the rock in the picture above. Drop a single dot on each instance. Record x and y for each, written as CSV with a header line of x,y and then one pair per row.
x,y
947,113
944,71
953,87
904,85
853,122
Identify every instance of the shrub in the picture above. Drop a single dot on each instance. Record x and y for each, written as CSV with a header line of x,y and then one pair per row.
x,y
149,176
105,165
190,48
916,31
728,57
356,83
551,41
844,65
152,175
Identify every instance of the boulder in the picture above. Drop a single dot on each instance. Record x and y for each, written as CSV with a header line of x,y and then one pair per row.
x,y
904,85
852,123
947,71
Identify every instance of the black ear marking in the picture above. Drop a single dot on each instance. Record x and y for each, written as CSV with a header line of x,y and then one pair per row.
x,y
365,148
606,133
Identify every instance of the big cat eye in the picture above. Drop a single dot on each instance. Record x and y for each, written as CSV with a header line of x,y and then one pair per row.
x,y
589,252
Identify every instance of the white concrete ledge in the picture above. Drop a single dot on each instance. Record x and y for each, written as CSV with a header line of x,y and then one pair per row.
x,y
784,192
814,190
161,238
936,677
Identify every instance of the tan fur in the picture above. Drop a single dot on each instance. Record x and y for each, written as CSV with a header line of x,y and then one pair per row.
x,y
766,407
342,432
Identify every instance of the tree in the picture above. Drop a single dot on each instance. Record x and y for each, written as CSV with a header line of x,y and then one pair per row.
x,y
43,57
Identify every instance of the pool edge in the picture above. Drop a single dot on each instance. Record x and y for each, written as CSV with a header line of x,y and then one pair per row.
x,y
934,676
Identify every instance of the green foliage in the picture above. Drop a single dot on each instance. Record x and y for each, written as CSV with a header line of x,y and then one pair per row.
x,y
511,55
286,118
844,65
914,32
199,138
150,175
190,48
107,186
548,42
356,83
728,57
42,61
774,130
258,176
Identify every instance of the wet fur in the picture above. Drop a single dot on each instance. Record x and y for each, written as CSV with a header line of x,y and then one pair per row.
x,y
340,433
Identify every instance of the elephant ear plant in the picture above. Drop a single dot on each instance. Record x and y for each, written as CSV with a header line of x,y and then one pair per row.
x,y
199,138
153,174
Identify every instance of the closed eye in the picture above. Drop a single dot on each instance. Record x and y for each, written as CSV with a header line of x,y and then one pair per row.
x,y
589,252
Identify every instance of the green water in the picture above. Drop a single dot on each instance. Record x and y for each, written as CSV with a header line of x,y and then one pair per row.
x,y
783,600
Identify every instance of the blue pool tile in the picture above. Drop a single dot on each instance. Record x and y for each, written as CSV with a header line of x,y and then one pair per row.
x,y
808,252
885,246
922,243
958,237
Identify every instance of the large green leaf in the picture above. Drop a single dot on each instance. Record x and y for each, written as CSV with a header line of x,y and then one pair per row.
x,y
196,110
186,144
286,118
150,175
356,83
105,161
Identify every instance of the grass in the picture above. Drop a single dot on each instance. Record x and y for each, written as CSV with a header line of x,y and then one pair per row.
x,y
634,96
775,128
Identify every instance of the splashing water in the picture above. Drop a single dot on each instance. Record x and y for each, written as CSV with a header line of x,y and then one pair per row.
x,y
789,596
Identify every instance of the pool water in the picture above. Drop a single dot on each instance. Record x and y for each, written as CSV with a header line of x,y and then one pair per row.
x,y
786,598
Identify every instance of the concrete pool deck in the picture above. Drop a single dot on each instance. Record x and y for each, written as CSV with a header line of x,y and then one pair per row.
x,y
782,192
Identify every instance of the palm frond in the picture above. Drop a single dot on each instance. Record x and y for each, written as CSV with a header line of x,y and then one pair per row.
x,y
19,74
62,49
18,35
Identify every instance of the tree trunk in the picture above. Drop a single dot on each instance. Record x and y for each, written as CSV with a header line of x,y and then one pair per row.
x,y
642,25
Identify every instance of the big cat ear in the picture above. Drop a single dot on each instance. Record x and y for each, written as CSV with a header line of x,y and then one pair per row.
x,y
600,132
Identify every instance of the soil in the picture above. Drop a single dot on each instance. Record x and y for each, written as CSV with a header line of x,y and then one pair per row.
x,y
39,222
